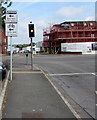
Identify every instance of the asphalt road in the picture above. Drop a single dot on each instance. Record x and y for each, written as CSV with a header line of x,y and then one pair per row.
x,y
74,74
30,95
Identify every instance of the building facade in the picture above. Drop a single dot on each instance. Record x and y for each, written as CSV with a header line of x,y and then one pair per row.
x,y
3,42
78,36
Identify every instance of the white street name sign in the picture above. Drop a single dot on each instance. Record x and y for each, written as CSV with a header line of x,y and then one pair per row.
x,y
11,16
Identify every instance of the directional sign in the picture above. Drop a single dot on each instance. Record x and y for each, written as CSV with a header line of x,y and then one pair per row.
x,y
11,16
11,29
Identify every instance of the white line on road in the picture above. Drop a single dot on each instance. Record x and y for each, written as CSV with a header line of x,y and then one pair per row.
x,y
70,74
64,99
75,112
94,74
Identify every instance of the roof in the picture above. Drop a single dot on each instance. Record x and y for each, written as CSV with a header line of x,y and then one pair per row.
x,y
77,21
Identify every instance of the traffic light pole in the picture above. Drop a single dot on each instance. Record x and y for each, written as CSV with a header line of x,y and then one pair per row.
x,y
31,35
31,54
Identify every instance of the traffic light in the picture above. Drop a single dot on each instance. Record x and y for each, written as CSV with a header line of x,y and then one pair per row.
x,y
31,30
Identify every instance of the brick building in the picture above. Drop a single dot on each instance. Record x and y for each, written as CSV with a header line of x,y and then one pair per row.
x,y
78,36
3,42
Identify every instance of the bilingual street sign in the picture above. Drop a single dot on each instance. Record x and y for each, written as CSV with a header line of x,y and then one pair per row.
x,y
11,29
11,16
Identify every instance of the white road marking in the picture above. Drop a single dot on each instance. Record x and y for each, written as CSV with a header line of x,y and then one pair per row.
x,y
64,74
76,114
94,74
64,99
96,92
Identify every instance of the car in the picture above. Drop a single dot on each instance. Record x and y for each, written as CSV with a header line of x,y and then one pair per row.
x,y
2,71
14,52
21,51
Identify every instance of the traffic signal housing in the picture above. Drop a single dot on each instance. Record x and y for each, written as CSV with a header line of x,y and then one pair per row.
x,y
31,30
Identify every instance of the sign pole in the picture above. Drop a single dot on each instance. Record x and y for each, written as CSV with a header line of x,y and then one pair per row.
x,y
11,31
31,55
10,57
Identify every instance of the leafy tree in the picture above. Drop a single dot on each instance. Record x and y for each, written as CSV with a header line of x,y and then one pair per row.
x,y
4,4
22,46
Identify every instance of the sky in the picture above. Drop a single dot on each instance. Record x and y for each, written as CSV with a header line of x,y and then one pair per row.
x,y
44,14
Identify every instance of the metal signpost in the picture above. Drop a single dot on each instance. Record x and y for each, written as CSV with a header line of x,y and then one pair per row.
x,y
11,31
31,35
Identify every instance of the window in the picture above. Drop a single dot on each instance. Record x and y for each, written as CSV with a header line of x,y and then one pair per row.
x,y
91,24
5,48
94,46
5,40
72,24
85,24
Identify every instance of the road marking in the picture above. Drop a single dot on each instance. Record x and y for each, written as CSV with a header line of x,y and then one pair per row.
x,y
64,99
94,74
96,92
75,112
64,74
23,72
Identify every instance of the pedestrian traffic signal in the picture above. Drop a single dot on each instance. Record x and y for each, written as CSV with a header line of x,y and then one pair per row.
x,y
31,30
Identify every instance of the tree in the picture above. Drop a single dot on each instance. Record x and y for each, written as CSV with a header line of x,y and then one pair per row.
x,y
4,4
22,46
33,44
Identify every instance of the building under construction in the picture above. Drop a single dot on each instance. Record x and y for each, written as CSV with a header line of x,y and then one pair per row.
x,y
78,36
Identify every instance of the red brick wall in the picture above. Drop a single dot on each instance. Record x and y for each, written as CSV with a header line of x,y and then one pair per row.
x,y
3,42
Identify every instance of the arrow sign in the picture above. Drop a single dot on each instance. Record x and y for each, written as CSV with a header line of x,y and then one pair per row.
x,y
11,16
11,29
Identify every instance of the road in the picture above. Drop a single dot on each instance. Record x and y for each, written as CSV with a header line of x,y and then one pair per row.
x,y
30,94
74,74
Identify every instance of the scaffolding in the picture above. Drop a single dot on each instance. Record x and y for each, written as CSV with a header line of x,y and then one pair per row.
x,y
69,32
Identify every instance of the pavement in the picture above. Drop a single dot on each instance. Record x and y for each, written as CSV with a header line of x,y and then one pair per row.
x,y
31,95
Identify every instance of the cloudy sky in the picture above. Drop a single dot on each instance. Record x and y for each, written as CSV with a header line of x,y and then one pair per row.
x,y
45,14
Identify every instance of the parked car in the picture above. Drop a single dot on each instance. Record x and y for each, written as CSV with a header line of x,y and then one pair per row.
x,y
2,71
21,51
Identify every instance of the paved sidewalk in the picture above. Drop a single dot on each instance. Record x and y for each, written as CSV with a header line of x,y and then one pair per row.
x,y
30,95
